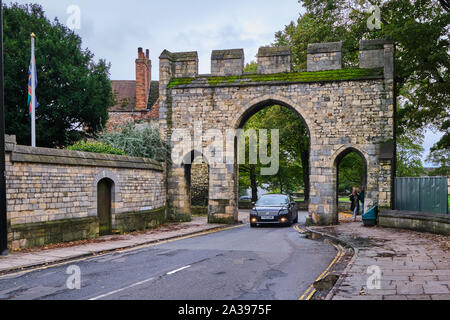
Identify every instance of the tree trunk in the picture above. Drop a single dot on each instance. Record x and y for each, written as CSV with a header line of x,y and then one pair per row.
x,y
280,180
253,182
305,164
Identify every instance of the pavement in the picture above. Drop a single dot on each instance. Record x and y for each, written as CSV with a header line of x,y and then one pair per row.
x,y
60,253
241,263
410,265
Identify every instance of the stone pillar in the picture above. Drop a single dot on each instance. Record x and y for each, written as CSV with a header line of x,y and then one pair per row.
x,y
227,62
222,194
274,60
324,56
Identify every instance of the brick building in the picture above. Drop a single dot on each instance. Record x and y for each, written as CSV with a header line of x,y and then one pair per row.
x,y
135,100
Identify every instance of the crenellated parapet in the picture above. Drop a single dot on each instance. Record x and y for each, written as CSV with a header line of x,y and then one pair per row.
x,y
374,54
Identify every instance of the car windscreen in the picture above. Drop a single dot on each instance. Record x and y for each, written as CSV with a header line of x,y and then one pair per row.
x,y
272,201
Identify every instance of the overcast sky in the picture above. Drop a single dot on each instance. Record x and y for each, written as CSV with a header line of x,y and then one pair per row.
x,y
113,30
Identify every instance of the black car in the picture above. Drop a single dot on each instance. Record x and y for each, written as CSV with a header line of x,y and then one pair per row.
x,y
274,209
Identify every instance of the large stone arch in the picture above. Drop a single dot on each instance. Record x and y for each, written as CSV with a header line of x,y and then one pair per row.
x,y
268,100
264,101
341,108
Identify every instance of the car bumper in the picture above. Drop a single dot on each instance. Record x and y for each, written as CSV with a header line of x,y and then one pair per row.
x,y
276,220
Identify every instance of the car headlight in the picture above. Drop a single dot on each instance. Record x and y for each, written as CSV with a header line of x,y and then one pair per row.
x,y
285,211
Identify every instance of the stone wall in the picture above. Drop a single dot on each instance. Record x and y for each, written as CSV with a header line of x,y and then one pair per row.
x,y
50,190
350,109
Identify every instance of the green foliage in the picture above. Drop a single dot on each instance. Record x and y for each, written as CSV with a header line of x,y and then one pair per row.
x,y
73,93
95,147
441,159
251,67
420,31
142,142
293,174
352,173
409,163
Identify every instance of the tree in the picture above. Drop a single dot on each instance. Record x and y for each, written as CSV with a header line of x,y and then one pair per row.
x,y
135,141
420,30
352,173
409,163
73,93
293,173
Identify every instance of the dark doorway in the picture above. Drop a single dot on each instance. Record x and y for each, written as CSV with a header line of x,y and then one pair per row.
x,y
197,180
104,206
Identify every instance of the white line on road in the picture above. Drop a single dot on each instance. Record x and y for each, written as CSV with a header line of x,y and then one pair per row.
x,y
135,285
120,290
178,270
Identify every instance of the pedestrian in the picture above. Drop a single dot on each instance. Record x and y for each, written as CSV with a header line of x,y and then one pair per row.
x,y
354,198
362,197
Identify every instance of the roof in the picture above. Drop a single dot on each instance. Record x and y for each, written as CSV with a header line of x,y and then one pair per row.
x,y
154,94
124,94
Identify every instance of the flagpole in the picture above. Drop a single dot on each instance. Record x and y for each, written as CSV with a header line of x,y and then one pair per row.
x,y
3,207
33,93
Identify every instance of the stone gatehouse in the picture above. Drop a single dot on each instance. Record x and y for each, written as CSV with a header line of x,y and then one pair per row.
x,y
344,109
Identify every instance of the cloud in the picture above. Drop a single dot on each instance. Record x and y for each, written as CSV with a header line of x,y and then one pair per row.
x,y
114,29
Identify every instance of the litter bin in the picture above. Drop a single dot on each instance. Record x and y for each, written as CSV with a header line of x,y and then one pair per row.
x,y
370,217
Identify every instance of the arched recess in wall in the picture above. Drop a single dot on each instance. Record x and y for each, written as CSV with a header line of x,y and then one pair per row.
x,y
197,176
350,169
268,101
104,205
106,186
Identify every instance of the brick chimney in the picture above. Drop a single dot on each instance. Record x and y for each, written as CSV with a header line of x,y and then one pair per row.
x,y
143,79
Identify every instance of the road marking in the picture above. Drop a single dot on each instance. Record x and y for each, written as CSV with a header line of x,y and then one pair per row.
x,y
124,250
178,270
311,291
122,289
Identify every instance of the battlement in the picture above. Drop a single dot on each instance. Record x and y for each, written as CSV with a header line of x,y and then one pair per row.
x,y
324,56
276,60
227,62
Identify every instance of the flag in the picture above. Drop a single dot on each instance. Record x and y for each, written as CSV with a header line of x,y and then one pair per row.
x,y
31,69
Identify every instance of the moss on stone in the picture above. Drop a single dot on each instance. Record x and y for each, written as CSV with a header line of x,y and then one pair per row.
x,y
139,221
215,220
319,76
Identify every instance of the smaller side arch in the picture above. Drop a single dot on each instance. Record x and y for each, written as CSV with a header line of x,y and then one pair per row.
x,y
339,155
343,151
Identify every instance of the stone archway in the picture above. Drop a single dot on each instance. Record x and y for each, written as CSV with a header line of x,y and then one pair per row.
x,y
338,157
340,107
260,104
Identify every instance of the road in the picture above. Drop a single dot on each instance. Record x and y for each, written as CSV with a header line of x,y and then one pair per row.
x,y
236,264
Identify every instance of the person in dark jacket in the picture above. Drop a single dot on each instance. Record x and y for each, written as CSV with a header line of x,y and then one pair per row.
x,y
362,196
354,198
